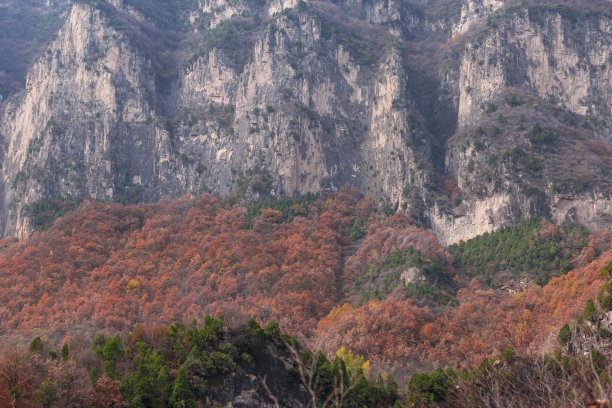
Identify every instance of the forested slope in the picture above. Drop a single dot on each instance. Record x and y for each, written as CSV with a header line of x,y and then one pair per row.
x,y
334,270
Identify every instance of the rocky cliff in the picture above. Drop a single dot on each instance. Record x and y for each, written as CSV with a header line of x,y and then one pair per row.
x,y
533,130
133,101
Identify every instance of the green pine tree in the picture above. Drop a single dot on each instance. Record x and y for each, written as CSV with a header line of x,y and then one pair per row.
x,y
181,397
565,334
64,352
47,393
590,313
36,346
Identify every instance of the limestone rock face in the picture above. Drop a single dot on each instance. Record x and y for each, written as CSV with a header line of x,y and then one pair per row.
x,y
561,59
135,100
472,12
84,123
410,275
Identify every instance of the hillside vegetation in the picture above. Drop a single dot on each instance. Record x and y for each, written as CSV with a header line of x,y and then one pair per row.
x,y
109,267
281,204
535,249
182,366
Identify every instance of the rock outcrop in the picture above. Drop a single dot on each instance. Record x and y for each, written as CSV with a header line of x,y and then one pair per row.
x,y
268,384
591,336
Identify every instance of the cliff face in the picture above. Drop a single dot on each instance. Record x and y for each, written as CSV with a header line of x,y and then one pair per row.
x,y
301,112
133,101
531,93
557,54
525,157
84,122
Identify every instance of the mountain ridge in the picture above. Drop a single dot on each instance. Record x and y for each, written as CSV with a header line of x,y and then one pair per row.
x,y
265,100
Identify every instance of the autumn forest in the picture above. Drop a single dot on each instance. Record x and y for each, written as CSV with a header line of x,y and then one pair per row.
x,y
333,271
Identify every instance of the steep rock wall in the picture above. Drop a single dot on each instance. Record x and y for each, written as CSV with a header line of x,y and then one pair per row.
x,y
555,53
135,100
83,118
299,108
